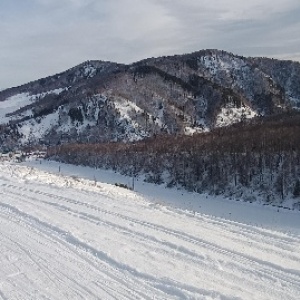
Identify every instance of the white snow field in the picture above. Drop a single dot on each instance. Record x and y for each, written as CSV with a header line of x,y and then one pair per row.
x,y
66,237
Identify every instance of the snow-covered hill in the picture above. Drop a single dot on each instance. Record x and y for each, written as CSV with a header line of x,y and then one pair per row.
x,y
100,101
66,237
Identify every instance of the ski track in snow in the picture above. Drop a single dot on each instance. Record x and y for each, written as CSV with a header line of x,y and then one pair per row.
x,y
64,237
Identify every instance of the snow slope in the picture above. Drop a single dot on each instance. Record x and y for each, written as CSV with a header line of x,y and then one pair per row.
x,y
65,237
231,114
14,103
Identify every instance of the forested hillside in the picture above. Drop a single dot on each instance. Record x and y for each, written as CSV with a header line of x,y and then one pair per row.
x,y
99,101
257,160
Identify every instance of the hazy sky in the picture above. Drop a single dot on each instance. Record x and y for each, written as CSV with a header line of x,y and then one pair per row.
x,y
43,37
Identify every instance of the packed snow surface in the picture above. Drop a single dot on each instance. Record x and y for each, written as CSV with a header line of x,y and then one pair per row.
x,y
67,233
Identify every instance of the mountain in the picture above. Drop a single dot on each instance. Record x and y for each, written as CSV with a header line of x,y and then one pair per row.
x,y
99,101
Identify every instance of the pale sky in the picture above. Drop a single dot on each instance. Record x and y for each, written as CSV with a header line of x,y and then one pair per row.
x,y
39,38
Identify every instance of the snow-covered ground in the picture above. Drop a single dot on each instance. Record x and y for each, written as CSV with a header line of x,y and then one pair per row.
x,y
230,114
13,103
67,233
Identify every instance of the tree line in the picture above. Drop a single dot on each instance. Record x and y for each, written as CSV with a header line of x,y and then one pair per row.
x,y
254,160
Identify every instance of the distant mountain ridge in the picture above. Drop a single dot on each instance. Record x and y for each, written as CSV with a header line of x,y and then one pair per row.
x,y
99,101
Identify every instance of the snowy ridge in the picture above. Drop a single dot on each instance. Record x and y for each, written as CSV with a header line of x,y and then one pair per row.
x,y
71,238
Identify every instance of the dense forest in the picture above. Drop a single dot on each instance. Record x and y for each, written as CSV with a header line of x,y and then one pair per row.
x,y
254,160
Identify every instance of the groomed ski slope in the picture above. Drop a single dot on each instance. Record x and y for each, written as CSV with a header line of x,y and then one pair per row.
x,y
65,237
